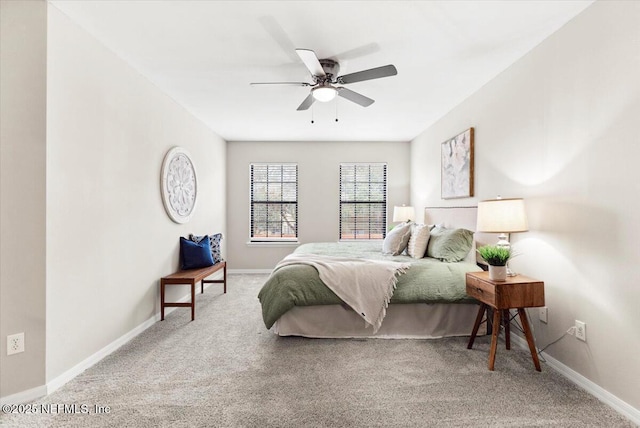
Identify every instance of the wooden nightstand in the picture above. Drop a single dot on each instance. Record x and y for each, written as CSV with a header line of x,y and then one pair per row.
x,y
517,292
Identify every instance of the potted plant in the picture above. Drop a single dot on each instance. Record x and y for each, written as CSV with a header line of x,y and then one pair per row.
x,y
497,258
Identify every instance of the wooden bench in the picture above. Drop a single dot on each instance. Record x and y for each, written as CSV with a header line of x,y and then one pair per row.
x,y
191,277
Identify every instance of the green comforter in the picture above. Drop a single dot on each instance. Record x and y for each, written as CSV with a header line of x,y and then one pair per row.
x,y
427,281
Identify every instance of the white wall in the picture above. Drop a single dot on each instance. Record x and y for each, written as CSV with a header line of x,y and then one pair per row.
x,y
560,128
109,239
318,190
23,67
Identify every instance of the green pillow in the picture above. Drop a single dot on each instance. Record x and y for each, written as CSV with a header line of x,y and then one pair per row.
x,y
449,245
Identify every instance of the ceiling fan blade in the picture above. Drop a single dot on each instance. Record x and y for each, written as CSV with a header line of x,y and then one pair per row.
x,y
355,97
281,83
359,51
306,103
372,73
277,33
311,61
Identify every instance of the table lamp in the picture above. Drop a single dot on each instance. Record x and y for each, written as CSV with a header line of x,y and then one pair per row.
x,y
404,214
502,216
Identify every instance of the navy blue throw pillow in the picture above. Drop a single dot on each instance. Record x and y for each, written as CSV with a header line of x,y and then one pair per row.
x,y
195,255
214,242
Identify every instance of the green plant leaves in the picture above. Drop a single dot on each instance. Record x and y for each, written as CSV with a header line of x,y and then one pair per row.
x,y
495,256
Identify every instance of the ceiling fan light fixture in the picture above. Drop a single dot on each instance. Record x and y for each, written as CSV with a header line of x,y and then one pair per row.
x,y
324,93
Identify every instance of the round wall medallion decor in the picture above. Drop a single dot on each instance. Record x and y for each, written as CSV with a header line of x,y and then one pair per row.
x,y
179,185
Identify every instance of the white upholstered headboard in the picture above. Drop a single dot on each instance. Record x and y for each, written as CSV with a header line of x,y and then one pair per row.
x,y
464,217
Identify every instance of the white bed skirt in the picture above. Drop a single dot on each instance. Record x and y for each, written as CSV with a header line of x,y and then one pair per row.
x,y
403,321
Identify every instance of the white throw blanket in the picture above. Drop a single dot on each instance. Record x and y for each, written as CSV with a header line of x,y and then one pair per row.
x,y
365,285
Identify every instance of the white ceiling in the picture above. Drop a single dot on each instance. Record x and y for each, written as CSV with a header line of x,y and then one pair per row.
x,y
204,54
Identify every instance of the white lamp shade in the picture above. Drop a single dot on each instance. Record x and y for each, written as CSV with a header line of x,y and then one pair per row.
x,y
324,93
502,216
404,213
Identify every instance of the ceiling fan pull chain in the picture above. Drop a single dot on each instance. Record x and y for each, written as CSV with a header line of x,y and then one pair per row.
x,y
336,109
312,110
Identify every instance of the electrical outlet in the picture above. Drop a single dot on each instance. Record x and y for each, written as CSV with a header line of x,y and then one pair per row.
x,y
15,343
581,331
543,314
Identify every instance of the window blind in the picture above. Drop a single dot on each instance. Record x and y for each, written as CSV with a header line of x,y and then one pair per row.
x,y
363,200
274,202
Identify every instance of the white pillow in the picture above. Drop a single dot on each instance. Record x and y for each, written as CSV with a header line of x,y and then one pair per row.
x,y
397,239
418,242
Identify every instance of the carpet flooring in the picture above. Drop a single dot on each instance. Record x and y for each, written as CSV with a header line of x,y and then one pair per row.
x,y
226,370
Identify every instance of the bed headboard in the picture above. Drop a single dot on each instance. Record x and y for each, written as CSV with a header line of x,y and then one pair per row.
x,y
459,217
464,217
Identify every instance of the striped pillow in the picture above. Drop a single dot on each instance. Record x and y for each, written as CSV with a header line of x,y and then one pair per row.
x,y
418,242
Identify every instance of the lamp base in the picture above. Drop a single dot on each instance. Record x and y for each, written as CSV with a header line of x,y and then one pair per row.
x,y
503,241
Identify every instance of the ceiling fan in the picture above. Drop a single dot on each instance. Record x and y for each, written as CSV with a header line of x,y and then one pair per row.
x,y
325,76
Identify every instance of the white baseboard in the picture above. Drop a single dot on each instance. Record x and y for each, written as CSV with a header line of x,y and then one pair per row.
x,y
110,348
250,271
25,396
65,377
58,382
592,388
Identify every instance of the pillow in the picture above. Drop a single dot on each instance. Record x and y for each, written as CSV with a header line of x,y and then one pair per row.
x,y
471,257
214,243
417,246
195,255
449,245
397,239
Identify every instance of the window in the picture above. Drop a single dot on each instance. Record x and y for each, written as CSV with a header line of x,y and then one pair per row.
x,y
274,202
363,200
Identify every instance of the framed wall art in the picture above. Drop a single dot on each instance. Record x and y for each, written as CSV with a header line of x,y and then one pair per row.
x,y
179,185
457,166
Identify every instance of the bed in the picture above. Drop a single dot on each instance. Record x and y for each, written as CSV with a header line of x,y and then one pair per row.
x,y
429,300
